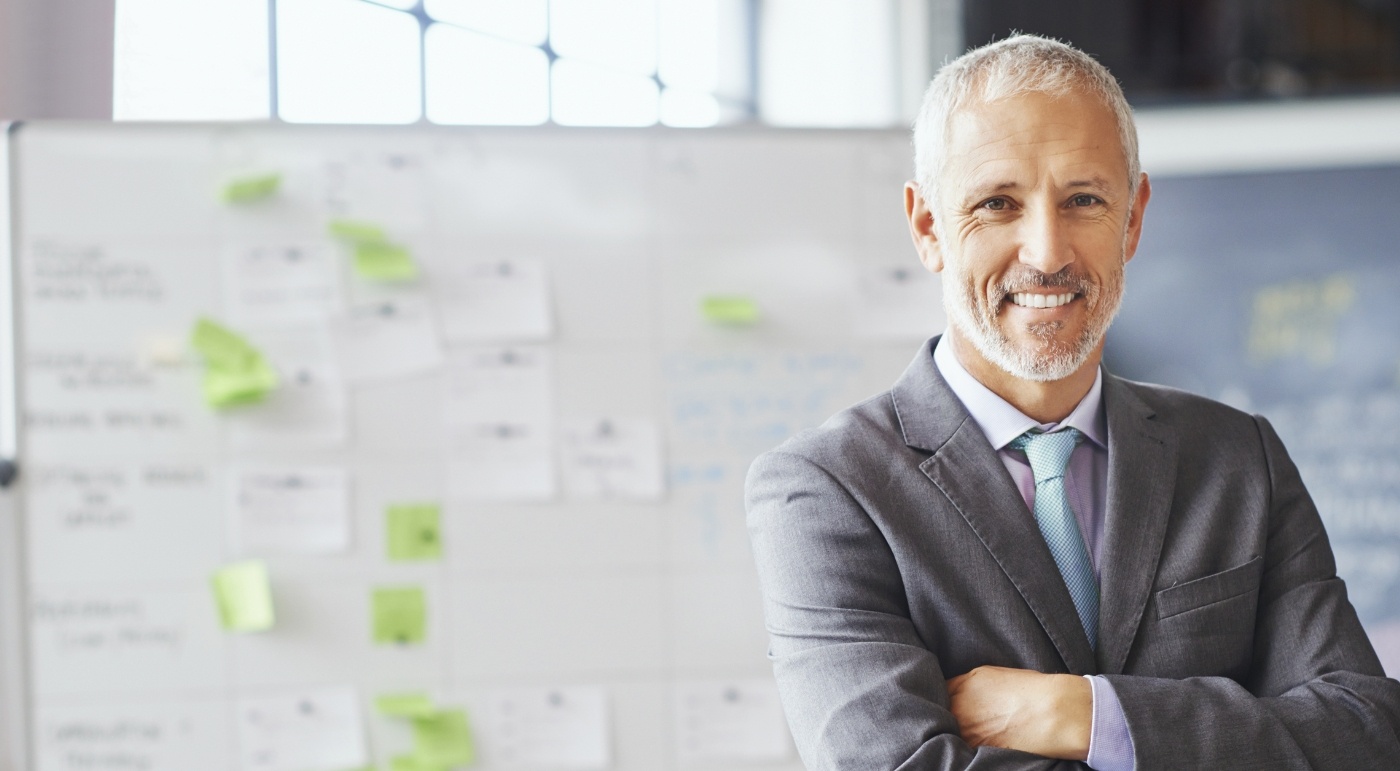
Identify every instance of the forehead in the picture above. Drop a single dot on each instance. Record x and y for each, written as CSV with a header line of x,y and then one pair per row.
x,y
1026,139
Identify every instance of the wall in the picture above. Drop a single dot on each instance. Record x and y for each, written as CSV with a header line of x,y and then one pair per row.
x,y
56,59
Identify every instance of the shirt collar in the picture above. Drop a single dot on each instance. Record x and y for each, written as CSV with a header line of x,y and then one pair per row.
x,y
1001,422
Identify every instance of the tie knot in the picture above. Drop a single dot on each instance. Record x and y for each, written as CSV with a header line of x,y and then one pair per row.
x,y
1048,453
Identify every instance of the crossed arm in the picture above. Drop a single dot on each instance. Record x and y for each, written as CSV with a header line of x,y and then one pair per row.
x,y
863,690
1018,709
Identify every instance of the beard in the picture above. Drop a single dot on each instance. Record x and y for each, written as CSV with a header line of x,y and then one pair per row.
x,y
1045,357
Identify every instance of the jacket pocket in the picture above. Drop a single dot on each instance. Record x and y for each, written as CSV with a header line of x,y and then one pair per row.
x,y
1209,590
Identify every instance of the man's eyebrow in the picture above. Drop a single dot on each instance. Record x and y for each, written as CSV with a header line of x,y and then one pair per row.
x,y
984,189
1093,183
981,190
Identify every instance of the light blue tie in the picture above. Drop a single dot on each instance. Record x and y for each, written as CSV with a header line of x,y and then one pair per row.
x,y
1049,454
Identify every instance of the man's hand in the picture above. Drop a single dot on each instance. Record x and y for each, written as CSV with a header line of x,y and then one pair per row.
x,y
1048,715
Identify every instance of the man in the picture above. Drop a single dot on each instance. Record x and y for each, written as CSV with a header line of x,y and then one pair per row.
x,y
1014,559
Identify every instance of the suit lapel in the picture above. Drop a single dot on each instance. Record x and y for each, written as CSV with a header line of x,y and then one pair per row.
x,y
966,469
1141,475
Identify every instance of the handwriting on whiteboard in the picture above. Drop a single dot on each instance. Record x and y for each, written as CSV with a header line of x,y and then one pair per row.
x,y
1345,447
127,735
79,273
114,640
88,497
752,401
119,624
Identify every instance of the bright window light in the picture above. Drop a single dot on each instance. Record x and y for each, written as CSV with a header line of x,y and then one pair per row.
x,y
689,50
347,61
588,95
828,63
494,62
524,21
184,60
616,33
478,79
689,109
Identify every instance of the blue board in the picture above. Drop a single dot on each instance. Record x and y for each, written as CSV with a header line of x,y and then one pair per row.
x,y
1278,293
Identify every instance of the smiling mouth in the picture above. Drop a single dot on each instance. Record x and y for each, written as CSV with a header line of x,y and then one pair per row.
x,y
1033,300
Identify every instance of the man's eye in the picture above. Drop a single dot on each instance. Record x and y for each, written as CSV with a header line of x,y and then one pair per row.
x,y
995,204
1084,199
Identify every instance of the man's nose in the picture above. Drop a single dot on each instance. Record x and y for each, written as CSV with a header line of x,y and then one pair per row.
x,y
1045,243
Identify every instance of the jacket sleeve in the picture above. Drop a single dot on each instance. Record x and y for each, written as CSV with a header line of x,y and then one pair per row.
x,y
860,688
1316,696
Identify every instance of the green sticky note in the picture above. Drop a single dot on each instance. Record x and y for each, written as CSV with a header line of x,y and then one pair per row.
x,y
414,763
355,230
250,189
413,531
235,373
443,737
231,389
244,597
732,310
400,615
405,704
220,346
380,261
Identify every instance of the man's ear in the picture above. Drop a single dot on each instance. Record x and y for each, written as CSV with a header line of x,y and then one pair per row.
x,y
921,228
1134,234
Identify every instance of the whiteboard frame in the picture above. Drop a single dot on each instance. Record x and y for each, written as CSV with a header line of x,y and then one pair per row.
x,y
14,649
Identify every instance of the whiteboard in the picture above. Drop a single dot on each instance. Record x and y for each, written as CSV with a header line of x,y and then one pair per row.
x,y
638,603
644,602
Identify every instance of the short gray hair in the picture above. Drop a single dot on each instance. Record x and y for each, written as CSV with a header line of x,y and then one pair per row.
x,y
1017,65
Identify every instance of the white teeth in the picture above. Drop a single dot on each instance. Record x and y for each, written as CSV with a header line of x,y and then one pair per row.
x,y
1032,300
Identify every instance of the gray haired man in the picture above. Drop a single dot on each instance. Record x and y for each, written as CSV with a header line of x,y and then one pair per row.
x,y
1014,559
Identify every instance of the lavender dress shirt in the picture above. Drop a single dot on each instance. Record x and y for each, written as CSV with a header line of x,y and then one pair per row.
x,y
1086,481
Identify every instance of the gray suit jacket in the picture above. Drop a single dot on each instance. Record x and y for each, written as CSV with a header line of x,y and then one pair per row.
x,y
894,552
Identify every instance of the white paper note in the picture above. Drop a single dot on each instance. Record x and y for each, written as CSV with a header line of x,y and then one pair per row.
x,y
612,458
386,339
500,424
564,728
899,302
292,509
274,283
384,188
494,301
730,722
309,404
317,730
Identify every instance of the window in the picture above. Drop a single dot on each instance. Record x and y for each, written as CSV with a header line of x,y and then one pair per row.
x,y
191,60
502,62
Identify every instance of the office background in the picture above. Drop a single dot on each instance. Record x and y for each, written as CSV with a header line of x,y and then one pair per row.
x,y
748,153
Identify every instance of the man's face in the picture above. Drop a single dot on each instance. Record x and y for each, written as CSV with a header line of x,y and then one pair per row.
x,y
1032,228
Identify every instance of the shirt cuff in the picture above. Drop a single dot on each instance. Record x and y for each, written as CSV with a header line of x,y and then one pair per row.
x,y
1110,745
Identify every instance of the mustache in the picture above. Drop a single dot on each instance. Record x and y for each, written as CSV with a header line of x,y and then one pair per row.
x,y
1022,278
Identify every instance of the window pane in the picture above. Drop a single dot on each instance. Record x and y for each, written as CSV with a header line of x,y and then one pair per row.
x,y
618,33
588,95
347,61
689,46
478,79
694,109
178,60
828,63
406,5
524,21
